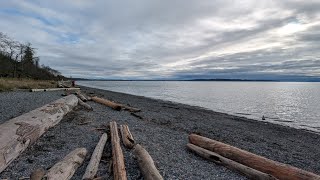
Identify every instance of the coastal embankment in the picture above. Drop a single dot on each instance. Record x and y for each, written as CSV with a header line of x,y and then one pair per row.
x,y
162,127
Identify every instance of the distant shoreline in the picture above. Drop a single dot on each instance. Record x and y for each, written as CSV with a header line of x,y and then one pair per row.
x,y
195,80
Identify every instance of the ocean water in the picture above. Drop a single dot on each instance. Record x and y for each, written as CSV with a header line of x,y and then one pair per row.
x,y
295,104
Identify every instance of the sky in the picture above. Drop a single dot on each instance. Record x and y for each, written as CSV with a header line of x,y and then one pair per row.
x,y
170,39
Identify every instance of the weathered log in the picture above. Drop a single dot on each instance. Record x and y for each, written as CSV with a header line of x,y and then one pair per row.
x,y
81,96
54,89
106,102
87,106
131,109
18,133
127,137
37,174
276,169
247,171
146,164
119,170
65,169
93,165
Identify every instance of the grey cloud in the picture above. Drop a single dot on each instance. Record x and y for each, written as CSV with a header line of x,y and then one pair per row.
x,y
144,37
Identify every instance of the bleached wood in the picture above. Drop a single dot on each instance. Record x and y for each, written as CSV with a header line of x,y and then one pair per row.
x,y
87,106
127,137
93,165
18,133
146,164
119,170
54,89
276,169
65,169
247,171
106,102
81,96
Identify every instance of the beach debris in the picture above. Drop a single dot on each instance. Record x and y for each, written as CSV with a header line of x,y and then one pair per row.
x,y
37,174
127,137
276,169
108,103
18,133
53,89
81,96
245,170
84,123
146,164
136,115
119,169
130,109
93,165
87,106
65,169
263,118
113,105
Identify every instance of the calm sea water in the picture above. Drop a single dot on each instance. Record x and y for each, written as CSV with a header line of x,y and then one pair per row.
x,y
294,104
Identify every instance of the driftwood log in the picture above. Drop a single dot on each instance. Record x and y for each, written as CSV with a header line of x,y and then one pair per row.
x,y
18,133
87,106
247,171
127,137
65,169
106,102
37,174
81,96
146,164
119,170
130,109
276,169
93,165
53,89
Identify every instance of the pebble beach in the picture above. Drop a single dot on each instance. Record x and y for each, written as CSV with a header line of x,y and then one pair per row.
x,y
162,127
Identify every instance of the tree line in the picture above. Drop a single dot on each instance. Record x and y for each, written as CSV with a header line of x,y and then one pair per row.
x,y
19,60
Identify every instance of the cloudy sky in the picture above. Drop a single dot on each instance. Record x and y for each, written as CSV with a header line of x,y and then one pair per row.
x,y
170,39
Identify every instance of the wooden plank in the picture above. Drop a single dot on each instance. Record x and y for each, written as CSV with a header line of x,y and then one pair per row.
x,y
93,165
119,170
276,169
18,133
146,164
65,169
247,171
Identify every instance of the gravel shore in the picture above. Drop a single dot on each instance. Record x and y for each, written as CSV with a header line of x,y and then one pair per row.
x,y
163,131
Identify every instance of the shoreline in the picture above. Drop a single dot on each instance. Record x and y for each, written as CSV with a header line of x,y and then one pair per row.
x,y
163,132
236,114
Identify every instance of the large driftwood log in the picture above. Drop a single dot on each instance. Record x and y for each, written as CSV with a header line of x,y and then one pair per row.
x,y
106,102
247,171
87,106
146,164
65,169
18,133
119,169
276,169
93,165
53,89
127,137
